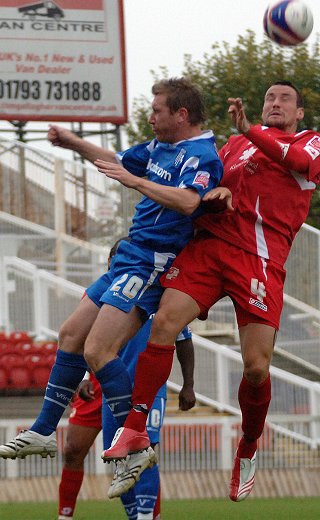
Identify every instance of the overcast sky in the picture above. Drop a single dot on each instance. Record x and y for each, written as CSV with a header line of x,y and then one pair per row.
x,y
161,32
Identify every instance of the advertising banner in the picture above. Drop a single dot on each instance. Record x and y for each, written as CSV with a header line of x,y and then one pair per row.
x,y
62,60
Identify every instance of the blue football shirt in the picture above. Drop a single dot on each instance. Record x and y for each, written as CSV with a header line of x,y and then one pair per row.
x,y
192,163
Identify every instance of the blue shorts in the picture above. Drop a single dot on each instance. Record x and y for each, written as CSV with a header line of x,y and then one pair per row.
x,y
154,422
155,419
132,280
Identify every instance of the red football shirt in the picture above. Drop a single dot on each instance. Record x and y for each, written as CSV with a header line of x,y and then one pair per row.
x,y
271,202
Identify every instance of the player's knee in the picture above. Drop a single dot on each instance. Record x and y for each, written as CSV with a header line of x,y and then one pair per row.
x,y
92,358
95,356
73,454
257,372
68,340
163,321
164,331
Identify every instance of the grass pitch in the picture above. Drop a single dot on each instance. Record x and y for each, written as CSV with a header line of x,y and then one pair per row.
x,y
251,509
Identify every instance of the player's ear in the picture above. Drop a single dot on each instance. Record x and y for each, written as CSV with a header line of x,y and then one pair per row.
x,y
300,113
183,115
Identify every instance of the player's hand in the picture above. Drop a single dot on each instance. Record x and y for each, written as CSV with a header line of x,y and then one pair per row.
x,y
59,136
187,398
219,195
238,116
117,172
85,390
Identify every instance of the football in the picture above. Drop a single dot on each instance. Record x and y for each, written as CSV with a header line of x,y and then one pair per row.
x,y
288,22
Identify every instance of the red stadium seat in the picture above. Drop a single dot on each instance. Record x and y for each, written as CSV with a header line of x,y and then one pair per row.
x,y
19,378
3,336
7,347
4,381
44,349
50,347
40,376
19,336
32,360
50,360
18,373
39,368
25,347
9,360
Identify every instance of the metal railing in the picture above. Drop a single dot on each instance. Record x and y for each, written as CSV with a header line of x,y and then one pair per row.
x,y
73,198
62,195
48,300
291,439
186,444
49,238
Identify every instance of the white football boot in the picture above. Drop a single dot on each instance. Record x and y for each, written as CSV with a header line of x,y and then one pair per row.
x,y
28,442
128,471
242,480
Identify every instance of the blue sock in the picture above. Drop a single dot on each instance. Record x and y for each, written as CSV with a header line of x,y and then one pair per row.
x,y
66,374
109,424
129,503
146,489
116,387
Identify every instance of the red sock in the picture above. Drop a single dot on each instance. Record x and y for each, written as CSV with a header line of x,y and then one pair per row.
x,y
153,369
69,488
156,509
254,403
246,449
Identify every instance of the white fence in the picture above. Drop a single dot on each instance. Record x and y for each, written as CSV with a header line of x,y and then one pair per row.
x,y
72,198
187,444
48,208
58,253
295,405
47,300
66,196
294,416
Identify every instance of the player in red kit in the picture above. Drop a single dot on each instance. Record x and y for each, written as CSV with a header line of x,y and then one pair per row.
x,y
272,171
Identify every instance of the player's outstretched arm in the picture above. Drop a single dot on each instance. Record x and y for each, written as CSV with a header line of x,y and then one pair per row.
x,y
238,116
64,138
185,354
293,157
85,390
184,201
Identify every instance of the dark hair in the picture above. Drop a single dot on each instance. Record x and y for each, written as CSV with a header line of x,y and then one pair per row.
x,y
289,84
114,249
182,93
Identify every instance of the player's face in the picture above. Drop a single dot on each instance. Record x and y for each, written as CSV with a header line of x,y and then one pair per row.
x,y
280,108
164,123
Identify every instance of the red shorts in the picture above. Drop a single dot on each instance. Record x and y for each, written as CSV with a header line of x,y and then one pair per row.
x,y
209,268
88,413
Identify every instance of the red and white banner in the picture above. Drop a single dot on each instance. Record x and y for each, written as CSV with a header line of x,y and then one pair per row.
x,y
62,60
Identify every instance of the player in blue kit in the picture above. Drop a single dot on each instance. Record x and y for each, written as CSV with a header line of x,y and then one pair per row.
x,y
86,420
173,172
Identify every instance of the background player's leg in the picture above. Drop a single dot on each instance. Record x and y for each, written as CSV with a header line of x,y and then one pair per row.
x,y
78,442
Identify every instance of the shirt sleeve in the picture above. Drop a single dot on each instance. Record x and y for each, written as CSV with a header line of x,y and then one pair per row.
x,y
136,158
312,148
291,156
201,173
